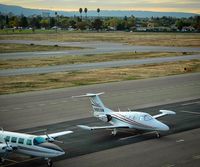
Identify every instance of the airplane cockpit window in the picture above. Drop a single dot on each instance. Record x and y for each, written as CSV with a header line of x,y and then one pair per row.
x,y
147,118
38,140
141,118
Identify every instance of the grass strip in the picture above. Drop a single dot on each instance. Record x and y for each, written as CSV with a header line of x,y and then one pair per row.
x,y
133,38
24,83
52,61
12,48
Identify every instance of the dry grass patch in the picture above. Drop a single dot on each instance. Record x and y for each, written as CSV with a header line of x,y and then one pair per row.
x,y
25,83
10,48
134,38
51,61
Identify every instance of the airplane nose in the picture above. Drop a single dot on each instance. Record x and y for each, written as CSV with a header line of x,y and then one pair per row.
x,y
163,127
61,152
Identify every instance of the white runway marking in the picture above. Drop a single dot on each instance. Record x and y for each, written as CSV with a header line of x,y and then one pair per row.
x,y
10,160
181,140
15,162
190,112
42,104
129,137
196,157
185,104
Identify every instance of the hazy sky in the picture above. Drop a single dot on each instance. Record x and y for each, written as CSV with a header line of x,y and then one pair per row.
x,y
73,5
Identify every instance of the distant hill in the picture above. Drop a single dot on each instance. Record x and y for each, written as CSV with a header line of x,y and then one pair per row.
x,y
17,10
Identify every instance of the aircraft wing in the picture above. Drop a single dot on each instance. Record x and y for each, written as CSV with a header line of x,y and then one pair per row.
x,y
100,127
163,113
58,134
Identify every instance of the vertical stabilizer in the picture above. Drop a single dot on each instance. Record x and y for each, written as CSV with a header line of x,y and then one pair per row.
x,y
97,104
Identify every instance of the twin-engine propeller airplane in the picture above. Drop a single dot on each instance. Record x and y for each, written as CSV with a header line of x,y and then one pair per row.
x,y
32,145
129,119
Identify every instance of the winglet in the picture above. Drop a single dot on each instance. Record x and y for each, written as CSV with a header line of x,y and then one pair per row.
x,y
167,112
163,113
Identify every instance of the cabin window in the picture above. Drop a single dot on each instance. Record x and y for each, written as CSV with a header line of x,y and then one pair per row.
x,y
7,138
13,139
29,142
21,141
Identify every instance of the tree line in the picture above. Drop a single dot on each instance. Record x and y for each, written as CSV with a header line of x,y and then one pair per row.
x,y
94,23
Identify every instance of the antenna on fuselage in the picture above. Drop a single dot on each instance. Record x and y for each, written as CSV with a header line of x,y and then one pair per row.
x,y
118,109
129,110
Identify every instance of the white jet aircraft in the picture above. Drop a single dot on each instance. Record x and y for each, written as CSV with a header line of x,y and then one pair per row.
x,y
32,145
125,119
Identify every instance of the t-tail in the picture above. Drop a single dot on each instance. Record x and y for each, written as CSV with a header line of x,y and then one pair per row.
x,y
97,104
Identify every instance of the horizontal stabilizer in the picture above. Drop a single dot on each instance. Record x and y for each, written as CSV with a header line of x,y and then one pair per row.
x,y
89,95
164,112
100,127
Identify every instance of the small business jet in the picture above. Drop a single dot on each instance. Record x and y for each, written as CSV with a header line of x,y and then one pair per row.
x,y
125,119
32,145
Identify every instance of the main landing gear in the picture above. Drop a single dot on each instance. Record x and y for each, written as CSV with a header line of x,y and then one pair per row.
x,y
114,131
158,135
49,163
2,160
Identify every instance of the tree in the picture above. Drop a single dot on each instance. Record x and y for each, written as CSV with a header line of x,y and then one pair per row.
x,y
23,21
97,24
52,22
80,11
86,10
82,25
72,23
44,23
98,11
196,23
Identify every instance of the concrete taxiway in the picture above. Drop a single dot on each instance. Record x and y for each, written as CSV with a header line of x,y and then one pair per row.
x,y
89,66
100,148
94,47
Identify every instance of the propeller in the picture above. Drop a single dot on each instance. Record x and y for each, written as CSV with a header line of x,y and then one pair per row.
x,y
51,139
9,148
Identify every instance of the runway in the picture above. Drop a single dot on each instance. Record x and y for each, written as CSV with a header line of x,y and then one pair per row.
x,y
95,47
100,148
89,66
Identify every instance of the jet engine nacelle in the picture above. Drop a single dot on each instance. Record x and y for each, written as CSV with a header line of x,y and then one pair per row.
x,y
105,118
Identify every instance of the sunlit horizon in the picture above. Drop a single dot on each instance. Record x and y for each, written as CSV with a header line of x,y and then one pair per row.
x,y
192,6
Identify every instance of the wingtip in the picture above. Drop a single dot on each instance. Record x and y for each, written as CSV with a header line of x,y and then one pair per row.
x,y
84,127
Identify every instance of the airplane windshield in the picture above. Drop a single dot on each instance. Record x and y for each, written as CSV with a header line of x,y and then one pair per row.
x,y
147,118
38,140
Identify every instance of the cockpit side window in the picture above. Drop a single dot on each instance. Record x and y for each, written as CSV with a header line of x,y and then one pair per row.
x,y
38,140
147,118
141,118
